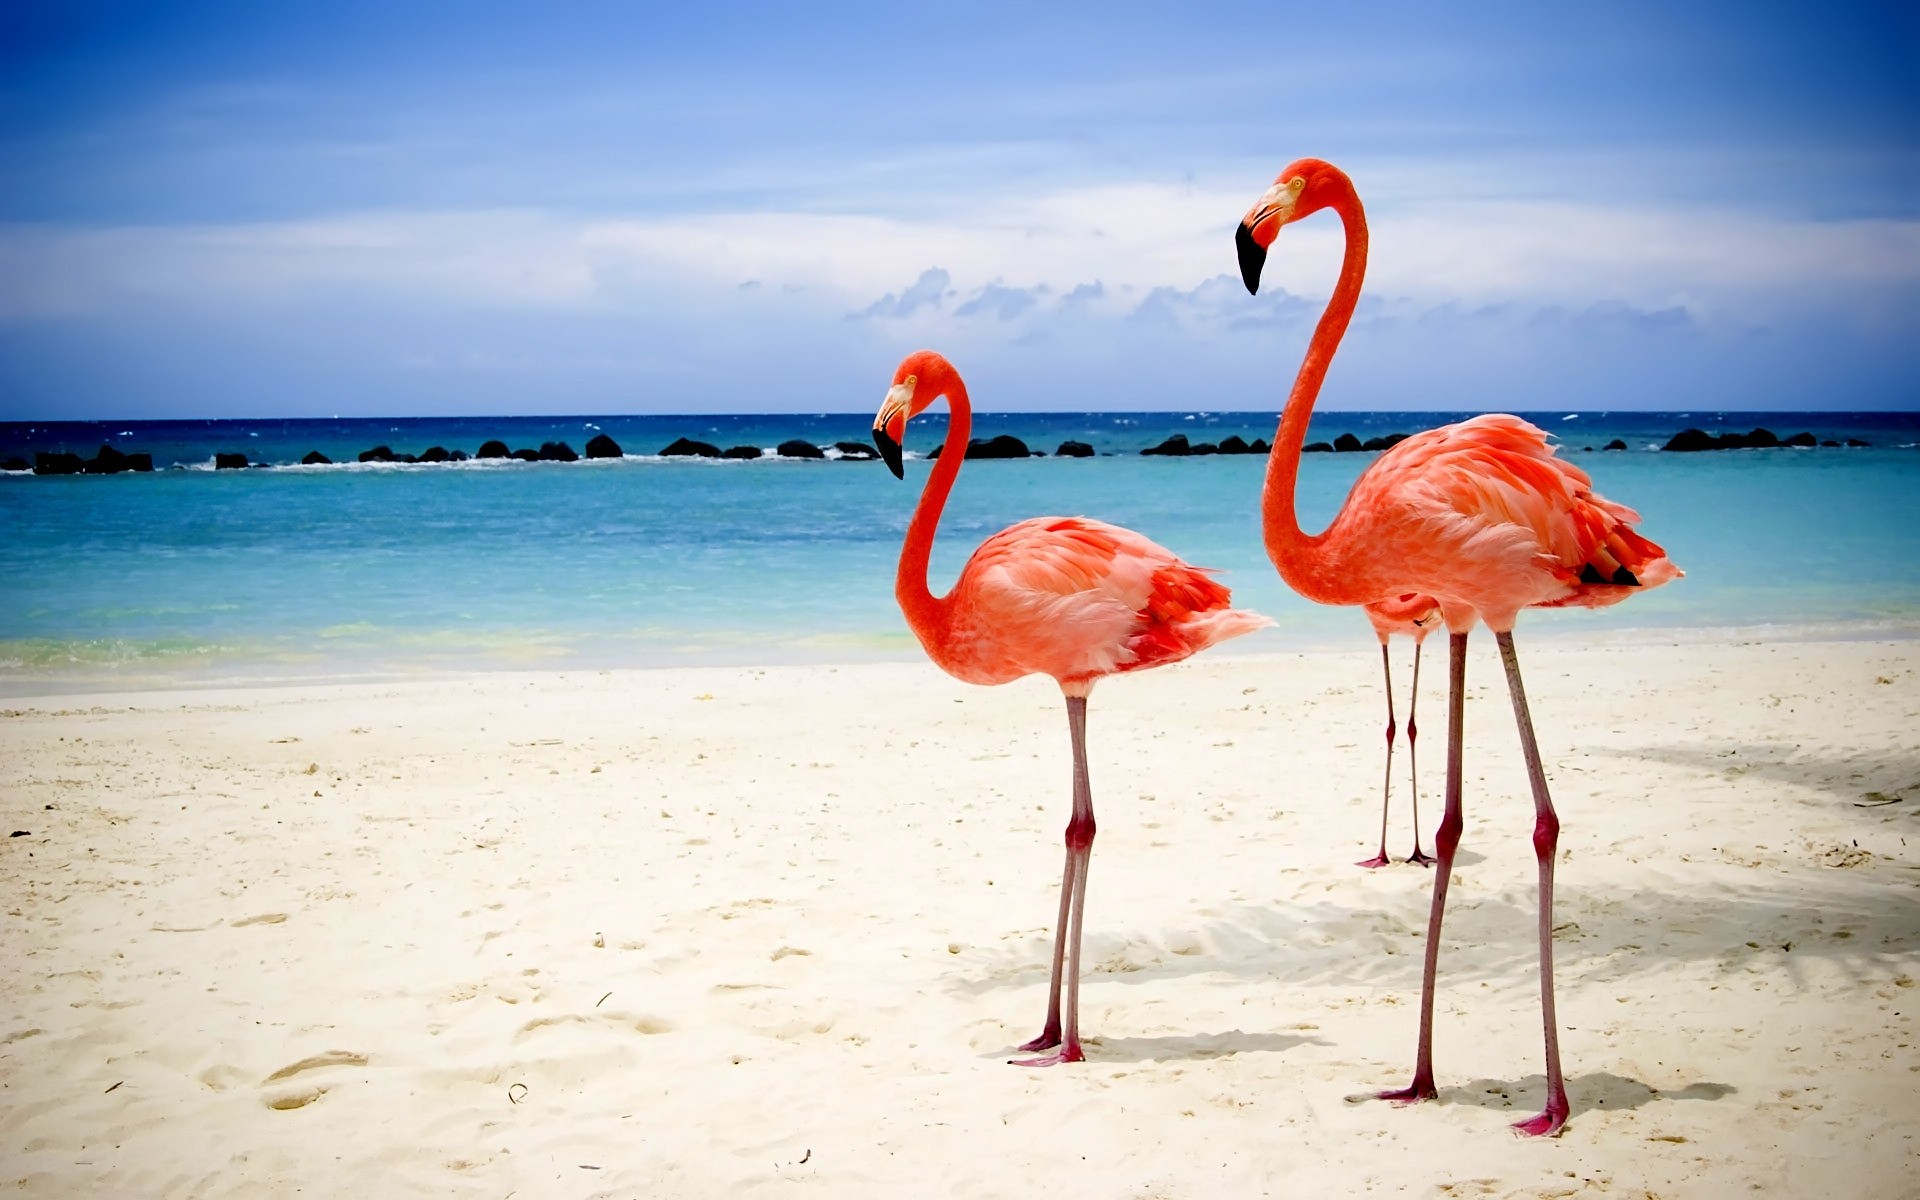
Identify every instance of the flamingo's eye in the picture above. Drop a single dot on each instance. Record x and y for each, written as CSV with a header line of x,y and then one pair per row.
x,y
1296,185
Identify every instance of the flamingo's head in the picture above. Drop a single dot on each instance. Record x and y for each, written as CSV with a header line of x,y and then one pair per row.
x,y
1411,610
917,382
1305,187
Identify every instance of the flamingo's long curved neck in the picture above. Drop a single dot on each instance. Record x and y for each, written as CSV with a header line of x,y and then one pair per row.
x,y
924,611
1295,553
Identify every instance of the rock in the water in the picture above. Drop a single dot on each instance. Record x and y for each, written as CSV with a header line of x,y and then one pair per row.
x,y
557,452
687,447
492,448
1071,449
1800,439
1695,439
57,462
111,462
1002,446
856,451
1175,446
229,462
378,454
742,452
796,448
602,446
316,459
1615,444
1346,443
1692,439
108,462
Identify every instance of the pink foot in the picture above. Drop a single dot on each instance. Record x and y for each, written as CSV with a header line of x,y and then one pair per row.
x,y
1421,857
1066,1054
1413,1093
1547,1124
1378,860
1048,1039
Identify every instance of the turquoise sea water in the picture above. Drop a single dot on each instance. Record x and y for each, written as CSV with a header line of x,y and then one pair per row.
x,y
193,574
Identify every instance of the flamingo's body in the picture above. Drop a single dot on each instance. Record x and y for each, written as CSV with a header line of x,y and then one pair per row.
x,y
1412,615
1483,517
1068,597
1075,599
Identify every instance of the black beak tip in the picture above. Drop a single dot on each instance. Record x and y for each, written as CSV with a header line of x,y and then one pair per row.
x,y
1253,256
889,451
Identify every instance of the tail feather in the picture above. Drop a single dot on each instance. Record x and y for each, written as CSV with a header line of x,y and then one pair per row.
x,y
1162,643
1622,563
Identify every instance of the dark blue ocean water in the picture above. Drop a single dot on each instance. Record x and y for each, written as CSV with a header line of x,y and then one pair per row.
x,y
189,573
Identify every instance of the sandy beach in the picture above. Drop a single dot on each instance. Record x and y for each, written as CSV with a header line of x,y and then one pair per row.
x,y
764,932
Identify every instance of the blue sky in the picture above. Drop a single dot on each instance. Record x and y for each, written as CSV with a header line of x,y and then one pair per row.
x,y
275,209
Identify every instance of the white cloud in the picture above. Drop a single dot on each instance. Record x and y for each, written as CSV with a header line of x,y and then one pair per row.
x,y
928,291
1089,252
1006,303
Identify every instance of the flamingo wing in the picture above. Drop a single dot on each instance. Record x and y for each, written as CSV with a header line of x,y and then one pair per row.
x,y
1076,599
1505,522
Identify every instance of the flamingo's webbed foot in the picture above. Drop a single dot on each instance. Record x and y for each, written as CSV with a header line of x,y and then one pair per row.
x,y
1048,1039
1547,1124
1413,1093
1066,1054
1421,857
1378,860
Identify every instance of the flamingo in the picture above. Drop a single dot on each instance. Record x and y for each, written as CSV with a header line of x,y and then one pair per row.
x,y
1069,597
1480,515
1413,615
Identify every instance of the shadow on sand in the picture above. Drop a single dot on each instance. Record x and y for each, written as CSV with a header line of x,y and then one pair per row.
x,y
1865,923
1598,1091
1873,783
1184,1047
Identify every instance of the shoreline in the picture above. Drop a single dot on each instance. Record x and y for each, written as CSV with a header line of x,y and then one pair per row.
x,y
621,932
827,650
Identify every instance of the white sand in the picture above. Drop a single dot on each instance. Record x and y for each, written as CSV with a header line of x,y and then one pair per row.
x,y
741,932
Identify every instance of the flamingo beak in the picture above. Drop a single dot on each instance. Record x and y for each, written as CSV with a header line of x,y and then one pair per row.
x,y
1253,256
890,426
889,449
1260,226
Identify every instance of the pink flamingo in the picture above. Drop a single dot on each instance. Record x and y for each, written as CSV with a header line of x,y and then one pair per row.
x,y
1063,596
1480,515
1413,615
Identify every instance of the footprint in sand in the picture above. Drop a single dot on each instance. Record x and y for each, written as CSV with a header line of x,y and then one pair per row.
x,y
304,1092
643,1023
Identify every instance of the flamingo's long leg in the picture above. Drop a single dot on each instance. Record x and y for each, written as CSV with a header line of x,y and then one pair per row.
x,y
1546,837
1413,761
1073,900
1050,1033
1386,787
1446,840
